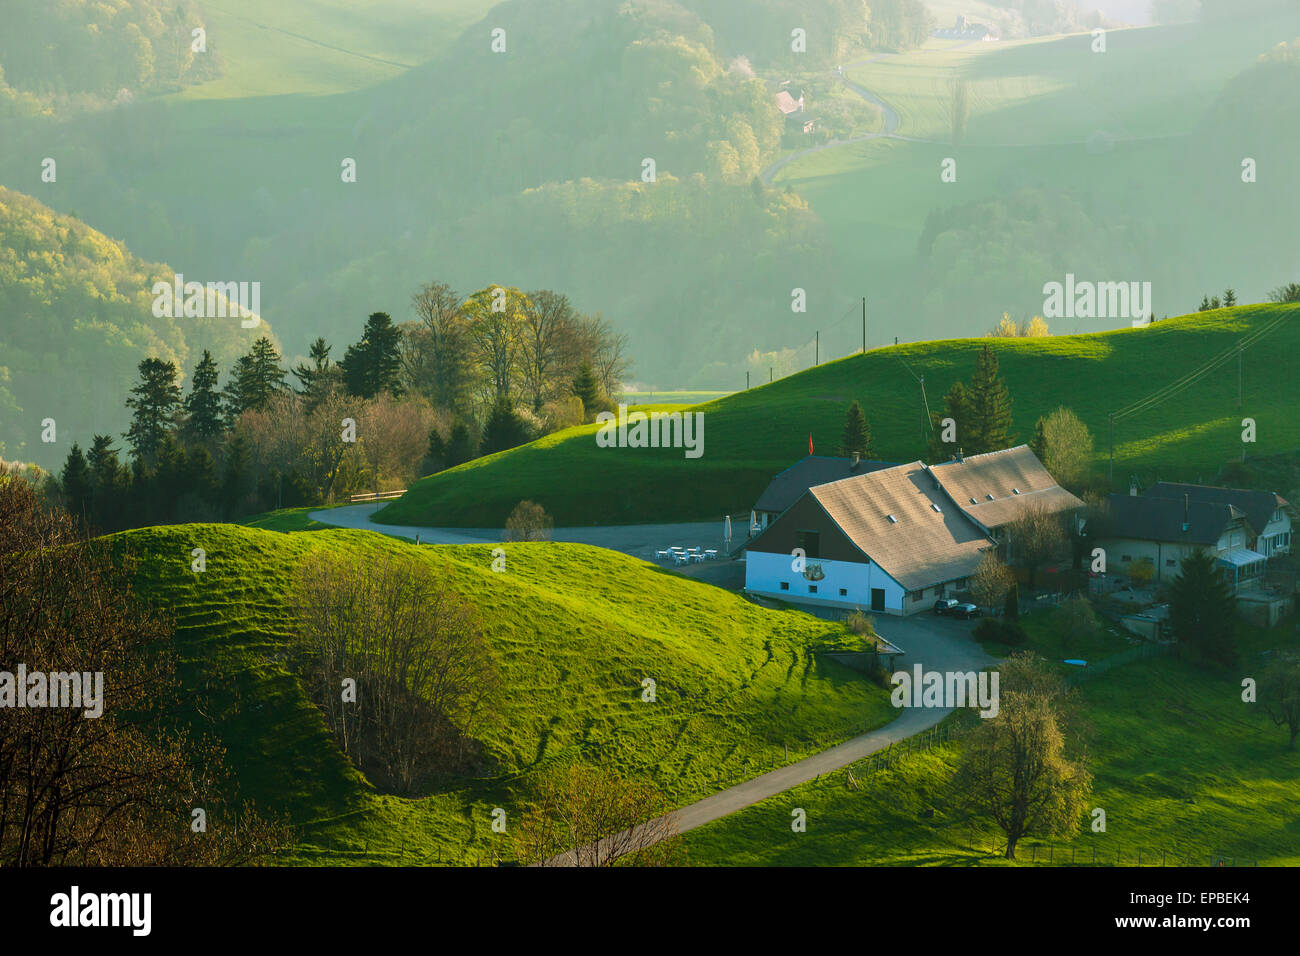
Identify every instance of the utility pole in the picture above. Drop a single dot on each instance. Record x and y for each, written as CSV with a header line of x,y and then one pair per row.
x,y
769,375
817,355
1110,475
747,381
864,325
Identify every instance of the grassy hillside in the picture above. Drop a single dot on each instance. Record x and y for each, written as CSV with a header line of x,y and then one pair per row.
x,y
1180,765
1105,142
575,629
749,436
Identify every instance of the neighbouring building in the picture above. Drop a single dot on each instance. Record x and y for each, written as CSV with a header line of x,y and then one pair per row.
x,y
1135,528
1268,515
788,487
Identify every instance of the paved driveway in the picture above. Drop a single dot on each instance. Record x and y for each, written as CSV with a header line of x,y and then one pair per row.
x,y
638,540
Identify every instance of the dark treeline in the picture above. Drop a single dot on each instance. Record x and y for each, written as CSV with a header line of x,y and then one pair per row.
x,y
468,377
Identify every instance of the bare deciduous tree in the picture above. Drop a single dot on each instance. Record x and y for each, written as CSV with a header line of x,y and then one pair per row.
x,y
423,679
114,789
991,580
1279,692
1035,537
529,522
590,816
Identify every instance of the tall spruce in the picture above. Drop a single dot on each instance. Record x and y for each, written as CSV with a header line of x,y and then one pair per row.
x,y
955,408
154,402
311,378
1202,610
374,364
587,388
203,404
857,433
988,409
75,481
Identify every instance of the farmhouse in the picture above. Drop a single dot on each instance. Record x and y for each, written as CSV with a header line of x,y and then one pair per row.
x,y
885,539
995,489
789,100
788,487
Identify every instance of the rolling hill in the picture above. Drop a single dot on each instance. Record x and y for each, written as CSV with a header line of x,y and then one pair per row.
x,y
574,629
751,435
1184,770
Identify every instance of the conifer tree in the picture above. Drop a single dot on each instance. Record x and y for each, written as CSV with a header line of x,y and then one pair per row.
x,y
587,388
154,402
374,364
857,433
987,426
203,404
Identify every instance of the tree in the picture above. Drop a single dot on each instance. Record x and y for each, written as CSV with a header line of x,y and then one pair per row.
x,y
1279,692
1006,327
857,433
315,377
528,522
154,401
1202,610
587,388
1025,767
236,478
374,364
1286,293
1229,297
112,484
1011,604
460,445
495,317
1037,328
436,456
75,480
1034,538
437,352
991,580
546,342
504,429
955,408
203,404
115,790
591,816
988,408
426,683
1063,444
256,377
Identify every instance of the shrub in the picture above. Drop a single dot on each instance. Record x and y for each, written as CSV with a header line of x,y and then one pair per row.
x,y
988,629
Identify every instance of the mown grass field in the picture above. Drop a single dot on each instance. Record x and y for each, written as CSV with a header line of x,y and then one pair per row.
x,y
750,436
575,630
1181,765
325,46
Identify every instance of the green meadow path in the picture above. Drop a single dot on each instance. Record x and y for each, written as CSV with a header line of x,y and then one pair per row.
x,y
934,643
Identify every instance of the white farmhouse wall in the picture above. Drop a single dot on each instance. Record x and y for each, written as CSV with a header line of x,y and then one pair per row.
x,y
765,572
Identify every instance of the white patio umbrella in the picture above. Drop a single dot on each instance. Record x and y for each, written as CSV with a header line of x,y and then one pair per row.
x,y
753,522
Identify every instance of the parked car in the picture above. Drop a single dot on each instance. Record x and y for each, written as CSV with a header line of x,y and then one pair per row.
x,y
965,611
945,605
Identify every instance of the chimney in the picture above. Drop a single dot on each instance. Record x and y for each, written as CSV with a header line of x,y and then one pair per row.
x,y
1133,487
856,458
959,455
1186,499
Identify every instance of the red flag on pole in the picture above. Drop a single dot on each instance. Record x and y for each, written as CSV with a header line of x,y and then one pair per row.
x,y
810,451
